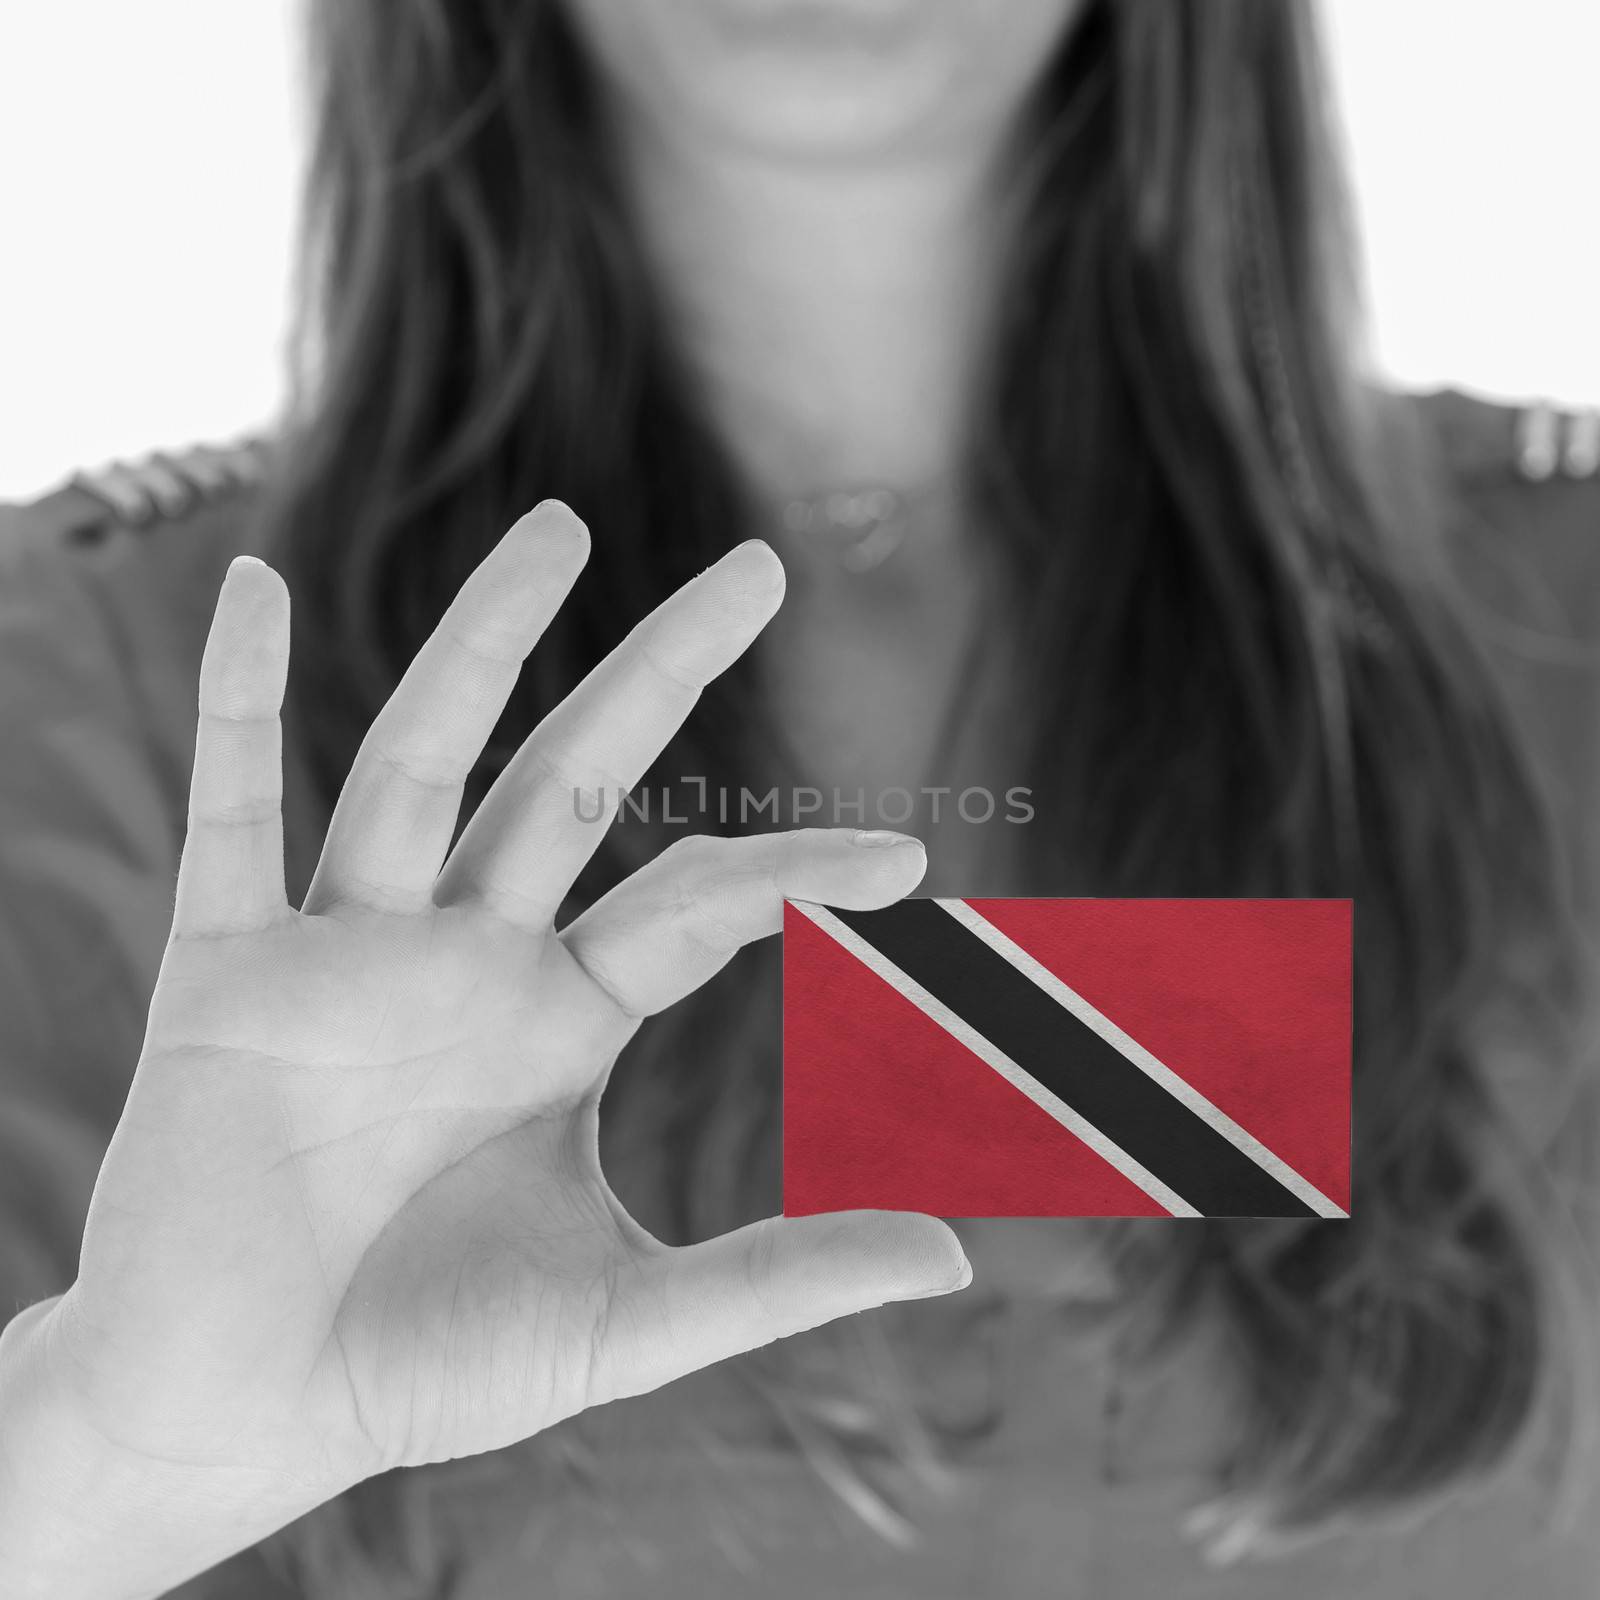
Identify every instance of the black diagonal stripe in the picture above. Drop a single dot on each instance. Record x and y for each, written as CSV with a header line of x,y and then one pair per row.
x,y
1073,1062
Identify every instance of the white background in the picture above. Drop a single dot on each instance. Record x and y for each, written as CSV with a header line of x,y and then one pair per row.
x,y
149,156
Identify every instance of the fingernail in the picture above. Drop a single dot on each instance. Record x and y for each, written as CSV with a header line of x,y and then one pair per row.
x,y
745,549
881,839
963,1278
550,517
742,559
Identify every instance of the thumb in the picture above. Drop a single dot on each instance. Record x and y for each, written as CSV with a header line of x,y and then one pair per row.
x,y
690,1307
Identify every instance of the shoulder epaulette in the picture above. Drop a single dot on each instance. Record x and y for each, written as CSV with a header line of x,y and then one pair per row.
x,y
160,487
1551,439
1537,441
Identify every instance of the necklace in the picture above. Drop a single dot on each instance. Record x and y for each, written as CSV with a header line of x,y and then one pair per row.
x,y
862,526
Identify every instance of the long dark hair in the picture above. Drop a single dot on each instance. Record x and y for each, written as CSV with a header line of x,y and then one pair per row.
x,y
1254,677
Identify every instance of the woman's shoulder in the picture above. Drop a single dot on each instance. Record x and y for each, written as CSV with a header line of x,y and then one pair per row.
x,y
1523,478
107,589
1499,444
107,586
110,579
160,509
1495,442
1522,525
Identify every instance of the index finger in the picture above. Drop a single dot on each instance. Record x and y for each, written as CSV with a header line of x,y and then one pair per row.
x,y
230,877
397,811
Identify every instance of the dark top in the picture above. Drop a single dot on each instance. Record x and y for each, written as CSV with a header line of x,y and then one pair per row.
x,y
106,592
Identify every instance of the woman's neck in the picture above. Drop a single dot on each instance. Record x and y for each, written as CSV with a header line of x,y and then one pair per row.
x,y
831,311
834,316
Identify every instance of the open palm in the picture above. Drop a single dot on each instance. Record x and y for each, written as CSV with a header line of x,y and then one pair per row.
x,y
353,1216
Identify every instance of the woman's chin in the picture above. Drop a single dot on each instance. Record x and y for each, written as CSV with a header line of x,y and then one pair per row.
x,y
821,77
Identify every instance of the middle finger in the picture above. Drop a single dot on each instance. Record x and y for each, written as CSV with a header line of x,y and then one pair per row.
x,y
549,809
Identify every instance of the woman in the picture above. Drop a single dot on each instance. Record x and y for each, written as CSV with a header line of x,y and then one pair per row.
x,y
1058,309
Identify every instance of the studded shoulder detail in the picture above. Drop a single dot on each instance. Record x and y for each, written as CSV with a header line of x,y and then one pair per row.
x,y
172,483
1550,439
1485,441
156,489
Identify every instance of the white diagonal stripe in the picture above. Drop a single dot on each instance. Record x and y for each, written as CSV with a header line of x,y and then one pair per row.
x,y
1244,1142
870,956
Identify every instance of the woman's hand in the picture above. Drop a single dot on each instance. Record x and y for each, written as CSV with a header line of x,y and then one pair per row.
x,y
353,1216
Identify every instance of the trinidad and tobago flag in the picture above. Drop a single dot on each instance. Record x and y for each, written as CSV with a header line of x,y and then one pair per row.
x,y
976,1058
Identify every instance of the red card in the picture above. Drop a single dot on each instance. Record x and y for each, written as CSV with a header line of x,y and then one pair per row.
x,y
973,1058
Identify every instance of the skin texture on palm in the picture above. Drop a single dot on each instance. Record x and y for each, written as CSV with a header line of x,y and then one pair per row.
x,y
353,1215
